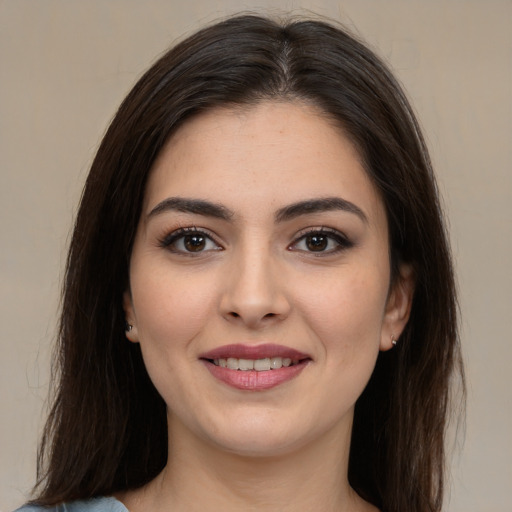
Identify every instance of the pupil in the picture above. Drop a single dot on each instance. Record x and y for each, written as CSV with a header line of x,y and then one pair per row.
x,y
194,243
316,242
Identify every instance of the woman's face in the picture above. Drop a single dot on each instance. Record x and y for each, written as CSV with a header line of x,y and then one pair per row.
x,y
259,279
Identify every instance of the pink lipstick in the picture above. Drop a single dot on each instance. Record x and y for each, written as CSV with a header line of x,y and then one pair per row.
x,y
255,367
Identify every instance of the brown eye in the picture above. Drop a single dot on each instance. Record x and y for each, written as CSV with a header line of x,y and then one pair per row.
x,y
189,241
323,242
317,242
194,243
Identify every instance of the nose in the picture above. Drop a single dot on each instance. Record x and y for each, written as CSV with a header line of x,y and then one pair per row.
x,y
254,292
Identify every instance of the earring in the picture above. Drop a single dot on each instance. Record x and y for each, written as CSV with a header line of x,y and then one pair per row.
x,y
128,327
393,341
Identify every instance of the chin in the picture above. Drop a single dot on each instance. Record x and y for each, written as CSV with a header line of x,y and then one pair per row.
x,y
259,445
266,435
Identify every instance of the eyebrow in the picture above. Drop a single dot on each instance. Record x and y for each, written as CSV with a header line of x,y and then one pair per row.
x,y
292,211
319,205
197,206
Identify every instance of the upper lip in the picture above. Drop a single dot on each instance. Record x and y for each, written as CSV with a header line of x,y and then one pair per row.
x,y
242,351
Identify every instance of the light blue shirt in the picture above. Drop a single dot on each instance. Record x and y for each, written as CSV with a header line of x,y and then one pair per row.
x,y
93,505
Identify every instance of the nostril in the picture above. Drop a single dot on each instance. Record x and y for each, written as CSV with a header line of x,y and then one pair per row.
x,y
235,315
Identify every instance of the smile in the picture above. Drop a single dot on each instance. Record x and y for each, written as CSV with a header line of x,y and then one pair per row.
x,y
259,365
255,367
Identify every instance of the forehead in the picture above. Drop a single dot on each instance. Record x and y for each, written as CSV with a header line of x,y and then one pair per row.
x,y
266,156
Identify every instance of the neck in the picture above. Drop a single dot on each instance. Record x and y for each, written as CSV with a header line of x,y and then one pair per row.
x,y
199,476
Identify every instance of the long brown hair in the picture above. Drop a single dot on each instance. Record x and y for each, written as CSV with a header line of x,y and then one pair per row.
x,y
107,430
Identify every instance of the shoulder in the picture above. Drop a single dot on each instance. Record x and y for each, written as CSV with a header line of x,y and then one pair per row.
x,y
92,505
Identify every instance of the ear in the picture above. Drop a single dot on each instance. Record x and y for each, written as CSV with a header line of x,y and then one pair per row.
x,y
398,307
131,330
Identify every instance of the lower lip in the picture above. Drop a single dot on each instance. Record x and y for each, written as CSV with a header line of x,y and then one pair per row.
x,y
251,380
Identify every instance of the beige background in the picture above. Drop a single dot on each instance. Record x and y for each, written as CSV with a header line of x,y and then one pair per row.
x,y
65,66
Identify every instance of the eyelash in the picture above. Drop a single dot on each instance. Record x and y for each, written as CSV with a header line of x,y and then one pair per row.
x,y
341,241
169,240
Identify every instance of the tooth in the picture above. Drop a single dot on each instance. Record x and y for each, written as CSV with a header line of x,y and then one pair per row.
x,y
276,363
262,364
245,364
259,365
232,363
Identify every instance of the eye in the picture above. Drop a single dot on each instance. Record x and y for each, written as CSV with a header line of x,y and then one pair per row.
x,y
190,241
322,241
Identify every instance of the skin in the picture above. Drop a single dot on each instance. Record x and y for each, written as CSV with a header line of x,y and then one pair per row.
x,y
257,280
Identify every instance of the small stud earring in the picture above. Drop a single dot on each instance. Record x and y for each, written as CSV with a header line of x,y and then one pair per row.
x,y
128,327
393,341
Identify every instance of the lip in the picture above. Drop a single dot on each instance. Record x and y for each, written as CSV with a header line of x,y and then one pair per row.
x,y
242,351
252,380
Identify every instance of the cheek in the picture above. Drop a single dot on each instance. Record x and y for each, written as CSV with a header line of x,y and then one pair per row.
x,y
170,309
346,313
171,312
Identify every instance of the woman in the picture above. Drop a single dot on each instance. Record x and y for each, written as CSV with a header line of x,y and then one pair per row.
x,y
259,307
